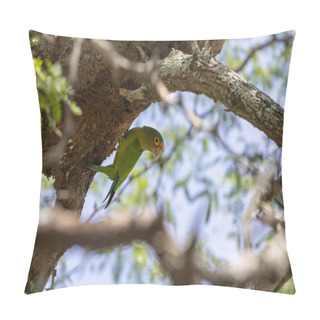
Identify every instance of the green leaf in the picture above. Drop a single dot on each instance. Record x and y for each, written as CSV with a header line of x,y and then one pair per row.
x,y
215,199
54,90
288,287
183,182
209,208
75,109
47,183
139,254
205,143
34,41
170,214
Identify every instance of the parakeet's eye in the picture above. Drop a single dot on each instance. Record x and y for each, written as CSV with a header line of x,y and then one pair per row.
x,y
156,141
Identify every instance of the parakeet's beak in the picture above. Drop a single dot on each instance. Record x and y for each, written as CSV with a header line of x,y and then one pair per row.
x,y
157,151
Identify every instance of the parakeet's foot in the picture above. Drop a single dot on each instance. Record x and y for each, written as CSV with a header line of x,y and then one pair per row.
x,y
125,133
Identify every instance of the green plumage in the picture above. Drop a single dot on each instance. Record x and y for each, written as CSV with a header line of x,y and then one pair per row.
x,y
130,148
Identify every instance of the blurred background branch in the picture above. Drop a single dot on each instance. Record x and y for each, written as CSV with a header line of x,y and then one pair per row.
x,y
146,70
183,264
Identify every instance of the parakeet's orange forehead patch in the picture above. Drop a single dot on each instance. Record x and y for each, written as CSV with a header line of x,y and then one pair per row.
x,y
161,145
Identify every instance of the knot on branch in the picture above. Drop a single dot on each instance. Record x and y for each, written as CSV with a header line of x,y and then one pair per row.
x,y
133,95
203,55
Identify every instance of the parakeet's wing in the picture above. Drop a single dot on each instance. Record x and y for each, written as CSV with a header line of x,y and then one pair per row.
x,y
128,160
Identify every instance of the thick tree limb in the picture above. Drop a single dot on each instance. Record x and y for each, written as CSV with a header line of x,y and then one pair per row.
x,y
145,70
200,72
64,229
183,265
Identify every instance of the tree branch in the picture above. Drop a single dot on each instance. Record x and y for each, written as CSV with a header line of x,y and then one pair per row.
x,y
200,72
261,46
260,272
147,70
182,264
64,229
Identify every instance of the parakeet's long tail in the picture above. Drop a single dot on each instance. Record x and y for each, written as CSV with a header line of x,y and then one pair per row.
x,y
111,173
111,191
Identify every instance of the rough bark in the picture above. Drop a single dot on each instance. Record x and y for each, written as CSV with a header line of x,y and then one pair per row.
x,y
111,99
200,73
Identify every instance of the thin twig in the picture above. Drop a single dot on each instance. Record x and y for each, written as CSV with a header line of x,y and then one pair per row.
x,y
262,182
200,124
95,211
260,47
74,62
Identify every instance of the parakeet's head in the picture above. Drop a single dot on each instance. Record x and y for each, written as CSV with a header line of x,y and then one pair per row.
x,y
152,140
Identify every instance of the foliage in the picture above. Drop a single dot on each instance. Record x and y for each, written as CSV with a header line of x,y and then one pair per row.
x,y
54,92
47,196
288,287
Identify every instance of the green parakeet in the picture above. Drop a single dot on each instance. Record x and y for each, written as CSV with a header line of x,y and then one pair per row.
x,y
131,146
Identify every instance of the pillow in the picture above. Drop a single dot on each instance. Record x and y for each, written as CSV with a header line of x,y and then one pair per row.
x,y
161,162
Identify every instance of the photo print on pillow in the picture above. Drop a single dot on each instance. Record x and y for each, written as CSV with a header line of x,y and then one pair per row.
x,y
161,162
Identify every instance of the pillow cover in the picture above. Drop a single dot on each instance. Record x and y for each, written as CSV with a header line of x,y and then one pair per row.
x,y
161,162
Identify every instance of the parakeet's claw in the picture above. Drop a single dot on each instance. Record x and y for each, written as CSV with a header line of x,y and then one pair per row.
x,y
125,133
